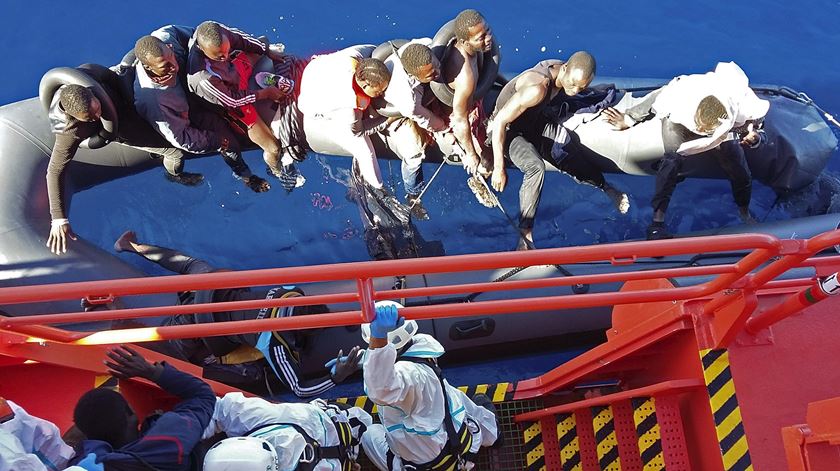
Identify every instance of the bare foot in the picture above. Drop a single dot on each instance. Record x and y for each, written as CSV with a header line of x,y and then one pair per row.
x,y
125,242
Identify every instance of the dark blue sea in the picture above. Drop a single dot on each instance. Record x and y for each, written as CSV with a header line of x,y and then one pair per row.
x,y
775,42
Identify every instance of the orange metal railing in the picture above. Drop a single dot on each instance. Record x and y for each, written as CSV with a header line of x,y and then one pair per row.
x,y
745,273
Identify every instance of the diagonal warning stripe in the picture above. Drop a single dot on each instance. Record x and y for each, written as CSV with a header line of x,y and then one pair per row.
x,y
727,414
534,449
605,438
648,433
569,443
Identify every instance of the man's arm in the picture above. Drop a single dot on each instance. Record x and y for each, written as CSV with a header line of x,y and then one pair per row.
x,y
288,372
384,383
425,118
242,41
177,129
526,96
62,153
464,86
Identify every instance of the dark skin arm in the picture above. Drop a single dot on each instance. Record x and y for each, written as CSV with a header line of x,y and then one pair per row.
x,y
126,363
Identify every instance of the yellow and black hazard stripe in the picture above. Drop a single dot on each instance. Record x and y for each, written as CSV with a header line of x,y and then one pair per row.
x,y
647,431
534,448
569,443
500,392
727,414
606,443
105,381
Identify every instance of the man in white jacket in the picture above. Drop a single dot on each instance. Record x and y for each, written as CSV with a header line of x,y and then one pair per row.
x,y
426,423
714,112
316,436
335,93
29,443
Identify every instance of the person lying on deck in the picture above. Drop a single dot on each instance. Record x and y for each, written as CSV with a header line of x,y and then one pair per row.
x,y
716,112
233,358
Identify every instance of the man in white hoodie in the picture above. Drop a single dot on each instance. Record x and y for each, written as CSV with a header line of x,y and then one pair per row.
x,y
714,112
426,423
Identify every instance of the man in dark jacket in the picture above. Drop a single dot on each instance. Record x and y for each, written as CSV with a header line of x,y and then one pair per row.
x,y
75,116
161,98
111,427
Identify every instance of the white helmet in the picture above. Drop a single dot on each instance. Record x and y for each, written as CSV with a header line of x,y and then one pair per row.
x,y
241,454
398,337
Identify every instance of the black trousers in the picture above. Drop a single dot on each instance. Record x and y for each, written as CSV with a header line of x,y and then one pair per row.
x,y
729,155
530,159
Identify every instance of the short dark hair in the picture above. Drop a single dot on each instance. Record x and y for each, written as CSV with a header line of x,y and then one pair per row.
x,y
373,71
582,61
466,20
415,56
709,113
102,414
75,99
149,47
210,33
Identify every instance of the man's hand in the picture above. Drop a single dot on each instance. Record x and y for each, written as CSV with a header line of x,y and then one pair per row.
x,y
470,161
752,138
616,118
270,93
499,179
59,233
343,366
126,363
387,319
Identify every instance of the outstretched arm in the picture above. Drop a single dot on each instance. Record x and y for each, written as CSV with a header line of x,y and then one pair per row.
x,y
528,96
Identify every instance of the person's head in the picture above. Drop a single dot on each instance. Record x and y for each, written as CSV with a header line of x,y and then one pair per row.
x,y
213,41
710,113
373,77
103,414
577,73
400,337
80,103
471,30
243,454
419,61
156,57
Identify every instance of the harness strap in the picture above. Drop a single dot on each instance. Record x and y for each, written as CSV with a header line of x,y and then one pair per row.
x,y
458,443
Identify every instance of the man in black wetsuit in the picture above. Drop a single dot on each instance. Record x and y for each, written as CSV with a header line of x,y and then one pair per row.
x,y
516,130
281,350
75,116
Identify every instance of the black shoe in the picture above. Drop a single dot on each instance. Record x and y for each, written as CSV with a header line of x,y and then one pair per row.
x,y
185,178
418,211
658,231
483,400
257,184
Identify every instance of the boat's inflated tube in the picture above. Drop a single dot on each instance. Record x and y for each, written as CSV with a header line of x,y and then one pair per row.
x,y
56,78
441,46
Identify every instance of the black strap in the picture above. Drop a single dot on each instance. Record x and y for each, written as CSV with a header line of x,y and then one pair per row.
x,y
339,452
453,437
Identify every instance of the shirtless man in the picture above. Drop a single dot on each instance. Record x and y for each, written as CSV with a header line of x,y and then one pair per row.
x,y
461,72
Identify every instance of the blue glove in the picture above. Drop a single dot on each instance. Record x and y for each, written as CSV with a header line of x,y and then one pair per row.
x,y
90,464
386,320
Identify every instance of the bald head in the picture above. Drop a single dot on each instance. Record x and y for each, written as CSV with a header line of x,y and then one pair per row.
x,y
577,74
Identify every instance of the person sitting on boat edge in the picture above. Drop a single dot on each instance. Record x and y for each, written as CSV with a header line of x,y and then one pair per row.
x,y
220,63
161,98
74,116
425,421
715,112
516,132
163,443
412,67
460,70
233,358
316,436
335,97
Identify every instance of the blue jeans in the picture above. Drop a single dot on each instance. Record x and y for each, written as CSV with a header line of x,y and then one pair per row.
x,y
412,174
